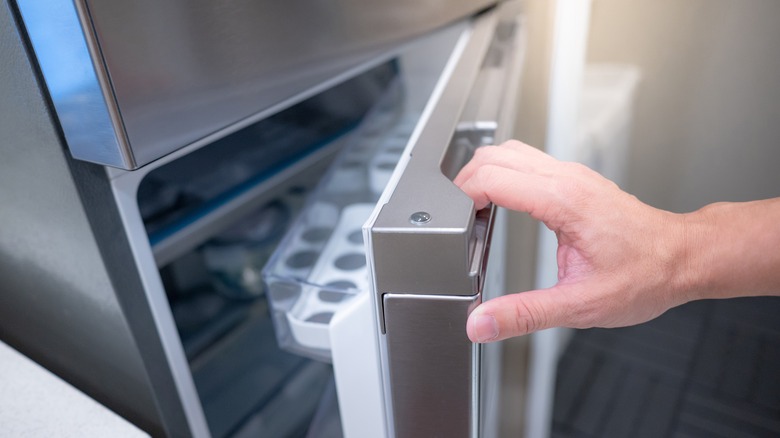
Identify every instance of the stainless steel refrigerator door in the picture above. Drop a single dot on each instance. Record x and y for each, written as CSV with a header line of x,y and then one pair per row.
x,y
428,246
134,81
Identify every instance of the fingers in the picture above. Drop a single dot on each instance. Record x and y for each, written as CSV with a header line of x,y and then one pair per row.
x,y
519,191
512,155
516,176
527,149
520,314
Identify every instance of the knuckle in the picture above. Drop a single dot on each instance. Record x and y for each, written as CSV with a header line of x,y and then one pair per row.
x,y
586,317
513,143
485,175
591,310
528,318
484,154
577,168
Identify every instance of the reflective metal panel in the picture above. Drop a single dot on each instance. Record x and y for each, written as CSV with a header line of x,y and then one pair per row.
x,y
179,70
77,87
429,248
60,301
434,368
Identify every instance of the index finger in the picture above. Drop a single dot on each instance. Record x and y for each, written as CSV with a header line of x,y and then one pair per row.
x,y
512,154
520,191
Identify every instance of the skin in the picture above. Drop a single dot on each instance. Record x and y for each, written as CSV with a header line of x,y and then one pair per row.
x,y
620,262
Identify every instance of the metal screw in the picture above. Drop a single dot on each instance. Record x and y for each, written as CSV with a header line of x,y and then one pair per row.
x,y
420,218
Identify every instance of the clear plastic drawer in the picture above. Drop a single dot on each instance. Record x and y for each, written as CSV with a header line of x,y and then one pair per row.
x,y
321,263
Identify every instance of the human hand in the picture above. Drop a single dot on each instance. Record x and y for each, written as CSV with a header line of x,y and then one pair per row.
x,y
619,260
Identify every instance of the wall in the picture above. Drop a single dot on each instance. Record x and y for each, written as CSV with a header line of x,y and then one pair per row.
x,y
707,115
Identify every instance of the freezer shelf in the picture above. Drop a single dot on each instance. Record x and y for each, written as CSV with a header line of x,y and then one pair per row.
x,y
187,201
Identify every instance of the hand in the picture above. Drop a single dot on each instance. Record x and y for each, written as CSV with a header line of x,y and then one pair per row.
x,y
619,260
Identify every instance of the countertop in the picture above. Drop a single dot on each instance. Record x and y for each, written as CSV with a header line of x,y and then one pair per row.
x,y
36,403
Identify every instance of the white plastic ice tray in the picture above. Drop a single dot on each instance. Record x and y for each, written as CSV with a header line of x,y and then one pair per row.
x,y
339,273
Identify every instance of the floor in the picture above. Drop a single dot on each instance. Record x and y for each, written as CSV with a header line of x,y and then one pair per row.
x,y
706,369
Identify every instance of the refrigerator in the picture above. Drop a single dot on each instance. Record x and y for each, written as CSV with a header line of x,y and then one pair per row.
x,y
238,218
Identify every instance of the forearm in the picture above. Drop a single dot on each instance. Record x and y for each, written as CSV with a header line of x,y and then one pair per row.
x,y
731,250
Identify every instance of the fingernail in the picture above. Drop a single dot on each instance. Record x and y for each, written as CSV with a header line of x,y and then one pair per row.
x,y
486,328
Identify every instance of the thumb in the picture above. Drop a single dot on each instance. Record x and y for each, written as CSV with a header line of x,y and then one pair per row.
x,y
519,314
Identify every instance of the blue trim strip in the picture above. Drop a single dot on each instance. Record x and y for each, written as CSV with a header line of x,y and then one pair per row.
x,y
214,204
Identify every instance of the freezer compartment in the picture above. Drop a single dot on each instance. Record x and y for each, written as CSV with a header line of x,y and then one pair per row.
x,y
321,264
213,217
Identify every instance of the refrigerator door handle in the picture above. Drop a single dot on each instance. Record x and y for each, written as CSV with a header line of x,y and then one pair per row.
x,y
428,247
424,230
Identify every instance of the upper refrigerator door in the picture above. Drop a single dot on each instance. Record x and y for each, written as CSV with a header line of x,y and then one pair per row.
x,y
428,248
134,81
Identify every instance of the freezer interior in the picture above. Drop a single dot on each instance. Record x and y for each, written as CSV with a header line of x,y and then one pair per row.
x,y
286,194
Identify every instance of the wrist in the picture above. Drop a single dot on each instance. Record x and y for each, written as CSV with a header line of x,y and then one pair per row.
x,y
733,249
690,252
713,252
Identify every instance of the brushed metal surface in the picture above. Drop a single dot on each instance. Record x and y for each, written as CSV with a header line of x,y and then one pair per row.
x,y
57,302
434,257
181,70
429,274
434,367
